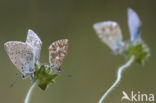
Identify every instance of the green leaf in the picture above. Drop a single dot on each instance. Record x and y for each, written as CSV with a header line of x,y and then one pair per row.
x,y
44,77
138,49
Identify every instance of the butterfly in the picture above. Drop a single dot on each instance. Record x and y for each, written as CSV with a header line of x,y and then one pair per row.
x,y
110,33
35,42
134,25
57,53
24,55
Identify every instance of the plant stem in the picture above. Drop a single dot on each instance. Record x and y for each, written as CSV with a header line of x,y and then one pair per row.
x,y
29,93
119,74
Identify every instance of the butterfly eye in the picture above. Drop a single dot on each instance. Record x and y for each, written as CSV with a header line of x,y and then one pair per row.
x,y
22,76
51,65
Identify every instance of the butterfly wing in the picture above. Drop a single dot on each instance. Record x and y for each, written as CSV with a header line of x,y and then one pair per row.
x,y
35,42
110,33
134,25
21,55
57,52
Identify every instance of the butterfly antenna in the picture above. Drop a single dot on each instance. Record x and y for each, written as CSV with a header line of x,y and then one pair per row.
x,y
17,77
67,74
66,33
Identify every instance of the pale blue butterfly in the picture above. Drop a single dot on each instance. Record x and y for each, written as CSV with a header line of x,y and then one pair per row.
x,y
134,24
110,33
24,55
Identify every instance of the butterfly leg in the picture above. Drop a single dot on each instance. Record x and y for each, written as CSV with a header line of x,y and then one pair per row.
x,y
59,69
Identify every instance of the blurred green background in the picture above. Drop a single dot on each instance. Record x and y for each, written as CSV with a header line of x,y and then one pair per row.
x,y
90,62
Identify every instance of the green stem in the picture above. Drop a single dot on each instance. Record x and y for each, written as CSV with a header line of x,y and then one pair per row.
x,y
29,93
119,75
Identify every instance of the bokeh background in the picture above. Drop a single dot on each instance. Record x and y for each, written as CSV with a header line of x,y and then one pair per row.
x,y
90,62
